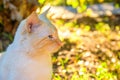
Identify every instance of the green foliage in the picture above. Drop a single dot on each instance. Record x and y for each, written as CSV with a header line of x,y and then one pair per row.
x,y
102,27
73,3
106,70
41,1
80,5
63,62
57,77
103,73
9,36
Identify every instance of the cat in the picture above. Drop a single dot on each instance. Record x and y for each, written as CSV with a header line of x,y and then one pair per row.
x,y
29,56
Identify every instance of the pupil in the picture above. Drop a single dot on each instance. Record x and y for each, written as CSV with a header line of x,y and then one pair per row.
x,y
50,36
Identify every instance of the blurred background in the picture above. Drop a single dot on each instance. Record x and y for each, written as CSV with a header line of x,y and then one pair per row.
x,y
89,29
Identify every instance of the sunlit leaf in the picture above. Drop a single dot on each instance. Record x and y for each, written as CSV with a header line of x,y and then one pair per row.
x,y
75,3
41,1
87,28
69,2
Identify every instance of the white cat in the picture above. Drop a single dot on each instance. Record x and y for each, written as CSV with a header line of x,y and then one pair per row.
x,y
29,56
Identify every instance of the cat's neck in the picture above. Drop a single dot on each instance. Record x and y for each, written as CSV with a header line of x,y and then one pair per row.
x,y
25,49
17,47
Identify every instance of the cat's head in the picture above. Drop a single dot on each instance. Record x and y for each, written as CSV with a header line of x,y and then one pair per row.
x,y
38,33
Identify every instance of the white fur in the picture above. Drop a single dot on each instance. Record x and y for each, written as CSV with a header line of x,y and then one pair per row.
x,y
19,66
24,60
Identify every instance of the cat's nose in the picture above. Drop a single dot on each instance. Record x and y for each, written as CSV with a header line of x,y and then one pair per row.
x,y
59,42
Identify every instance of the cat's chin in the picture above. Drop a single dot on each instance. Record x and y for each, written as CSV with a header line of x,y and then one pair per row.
x,y
53,48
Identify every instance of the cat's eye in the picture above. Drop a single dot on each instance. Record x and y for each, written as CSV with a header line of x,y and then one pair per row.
x,y
50,36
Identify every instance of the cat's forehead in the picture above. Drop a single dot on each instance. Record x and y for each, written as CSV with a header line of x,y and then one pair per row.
x,y
50,29
48,24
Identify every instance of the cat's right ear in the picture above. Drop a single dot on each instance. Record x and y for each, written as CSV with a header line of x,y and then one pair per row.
x,y
31,21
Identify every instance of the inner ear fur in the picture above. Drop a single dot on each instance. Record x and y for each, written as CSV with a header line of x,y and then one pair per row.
x,y
32,20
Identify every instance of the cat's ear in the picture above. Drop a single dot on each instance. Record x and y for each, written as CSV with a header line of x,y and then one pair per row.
x,y
31,21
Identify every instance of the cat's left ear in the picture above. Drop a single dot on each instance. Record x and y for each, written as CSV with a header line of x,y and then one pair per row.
x,y
31,21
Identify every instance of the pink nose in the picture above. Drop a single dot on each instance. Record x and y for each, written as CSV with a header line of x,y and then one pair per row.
x,y
59,42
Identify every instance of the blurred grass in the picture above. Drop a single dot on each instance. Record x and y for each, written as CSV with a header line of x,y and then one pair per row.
x,y
87,54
